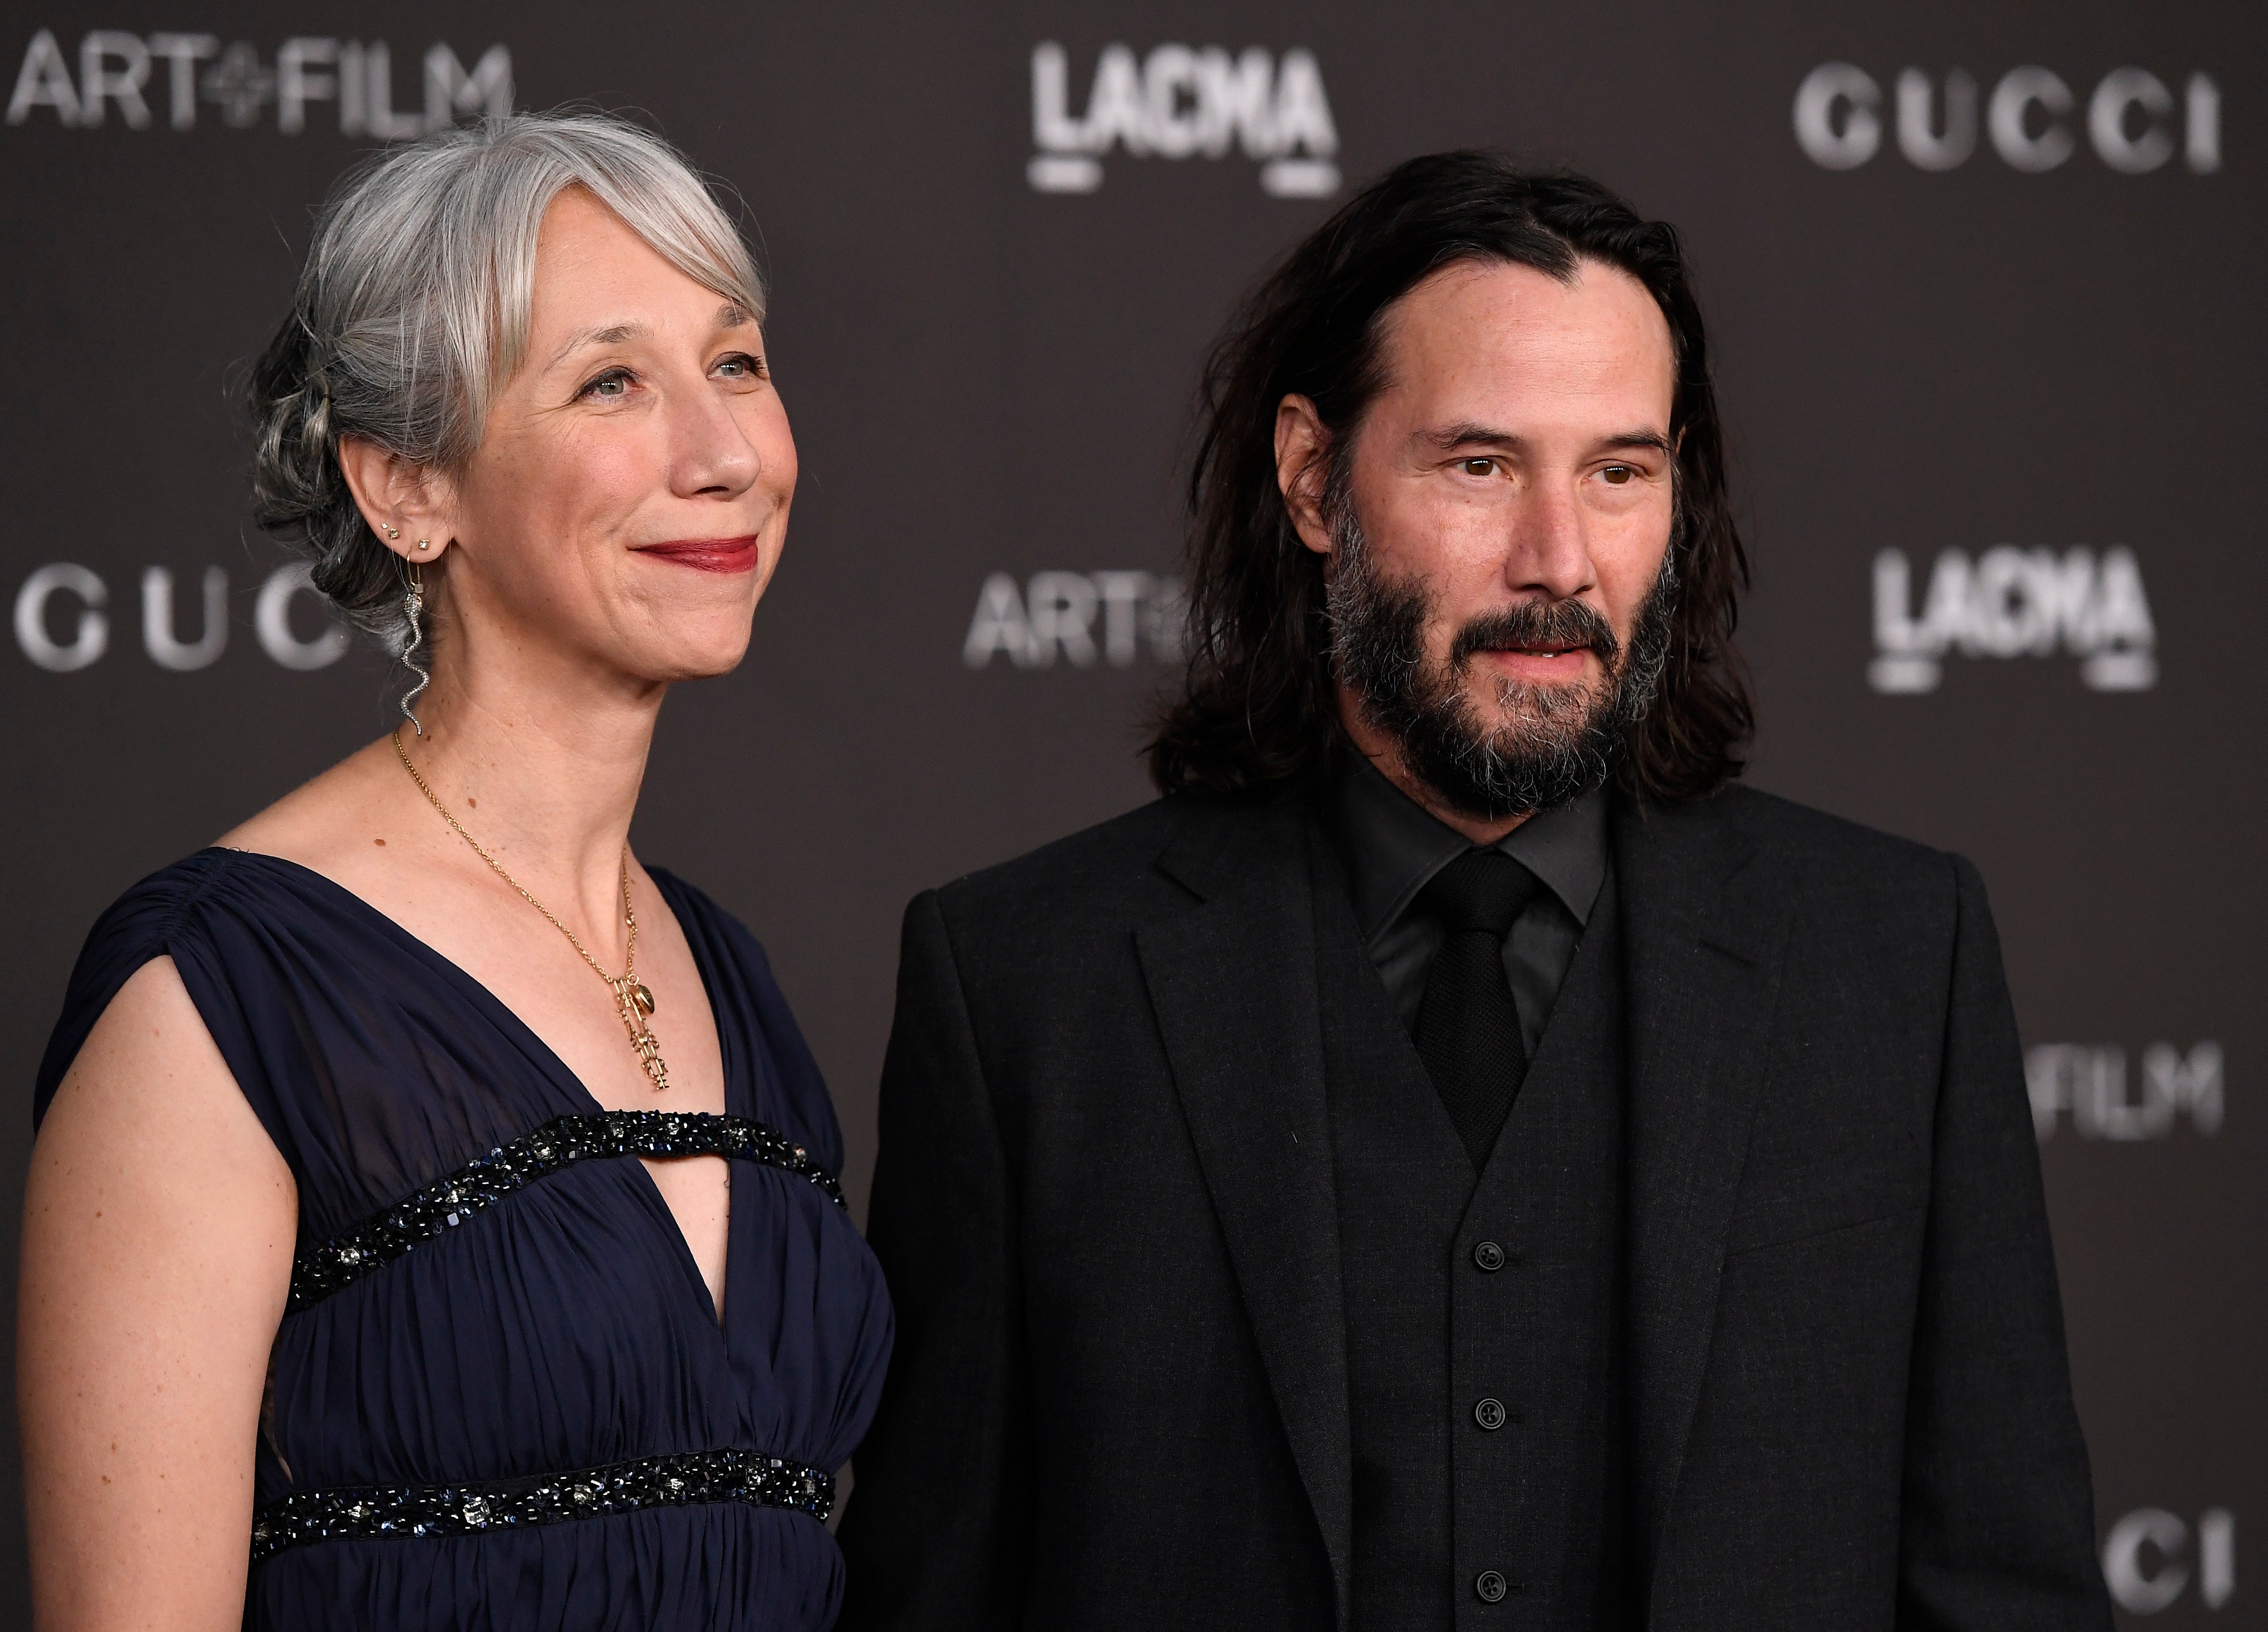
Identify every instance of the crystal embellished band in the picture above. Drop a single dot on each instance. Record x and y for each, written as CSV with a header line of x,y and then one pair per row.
x,y
320,1271
306,1516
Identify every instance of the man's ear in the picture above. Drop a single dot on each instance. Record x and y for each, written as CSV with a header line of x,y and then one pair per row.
x,y
407,506
1302,453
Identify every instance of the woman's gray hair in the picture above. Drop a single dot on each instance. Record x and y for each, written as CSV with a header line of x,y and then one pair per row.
x,y
412,310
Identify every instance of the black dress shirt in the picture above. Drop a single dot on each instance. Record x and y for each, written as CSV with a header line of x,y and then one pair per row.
x,y
1393,846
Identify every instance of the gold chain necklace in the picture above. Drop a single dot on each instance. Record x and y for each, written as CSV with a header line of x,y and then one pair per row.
x,y
632,998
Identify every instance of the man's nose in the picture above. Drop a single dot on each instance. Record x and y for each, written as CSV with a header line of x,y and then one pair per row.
x,y
1547,553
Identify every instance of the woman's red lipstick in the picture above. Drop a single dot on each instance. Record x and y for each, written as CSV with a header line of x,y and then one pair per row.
x,y
741,554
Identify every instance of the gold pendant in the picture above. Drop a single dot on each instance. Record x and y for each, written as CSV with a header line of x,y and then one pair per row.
x,y
637,1003
649,1052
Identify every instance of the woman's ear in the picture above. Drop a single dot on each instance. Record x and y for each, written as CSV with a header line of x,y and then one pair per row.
x,y
405,504
1301,447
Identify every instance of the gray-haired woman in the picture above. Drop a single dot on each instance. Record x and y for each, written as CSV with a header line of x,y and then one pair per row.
x,y
432,1214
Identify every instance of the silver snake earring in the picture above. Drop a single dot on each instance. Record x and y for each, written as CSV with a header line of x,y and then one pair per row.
x,y
413,604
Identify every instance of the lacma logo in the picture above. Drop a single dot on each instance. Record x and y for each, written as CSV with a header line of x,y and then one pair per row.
x,y
2009,603
2089,1082
1057,613
122,73
2134,120
1185,102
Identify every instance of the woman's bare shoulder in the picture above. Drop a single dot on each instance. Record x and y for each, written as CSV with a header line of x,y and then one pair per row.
x,y
151,1073
149,1040
325,823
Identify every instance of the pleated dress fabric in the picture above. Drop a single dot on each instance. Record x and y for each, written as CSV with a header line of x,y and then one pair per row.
x,y
565,1327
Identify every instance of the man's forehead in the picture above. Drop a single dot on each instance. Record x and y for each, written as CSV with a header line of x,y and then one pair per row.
x,y
1504,328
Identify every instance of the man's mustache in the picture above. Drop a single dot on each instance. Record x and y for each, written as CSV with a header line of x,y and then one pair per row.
x,y
1533,623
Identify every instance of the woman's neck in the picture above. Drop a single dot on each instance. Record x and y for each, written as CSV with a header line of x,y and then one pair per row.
x,y
540,762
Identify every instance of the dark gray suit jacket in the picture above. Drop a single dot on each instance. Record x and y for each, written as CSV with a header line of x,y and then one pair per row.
x,y
1105,1207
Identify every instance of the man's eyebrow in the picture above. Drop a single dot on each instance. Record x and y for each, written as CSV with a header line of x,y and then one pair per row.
x,y
1471,433
1466,434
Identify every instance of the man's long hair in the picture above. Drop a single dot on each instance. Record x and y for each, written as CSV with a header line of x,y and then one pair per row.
x,y
1259,708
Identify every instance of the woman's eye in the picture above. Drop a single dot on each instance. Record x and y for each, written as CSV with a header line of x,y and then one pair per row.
x,y
740,366
610,386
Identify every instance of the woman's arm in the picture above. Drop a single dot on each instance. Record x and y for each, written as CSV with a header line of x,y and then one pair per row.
x,y
159,1222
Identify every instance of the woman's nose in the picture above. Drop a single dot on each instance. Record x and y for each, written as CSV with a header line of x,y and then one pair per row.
x,y
711,453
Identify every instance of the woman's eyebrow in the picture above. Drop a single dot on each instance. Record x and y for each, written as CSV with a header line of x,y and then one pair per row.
x,y
730,315
607,335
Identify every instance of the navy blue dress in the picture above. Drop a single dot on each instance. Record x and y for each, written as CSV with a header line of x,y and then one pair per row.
x,y
501,1398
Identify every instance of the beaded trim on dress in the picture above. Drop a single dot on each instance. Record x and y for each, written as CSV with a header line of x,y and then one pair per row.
x,y
727,1475
330,1266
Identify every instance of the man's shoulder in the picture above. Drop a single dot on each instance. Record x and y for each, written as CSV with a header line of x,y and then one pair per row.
x,y
1782,828
1108,874
1812,853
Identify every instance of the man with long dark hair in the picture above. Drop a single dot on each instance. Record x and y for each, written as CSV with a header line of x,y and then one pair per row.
x,y
1457,1159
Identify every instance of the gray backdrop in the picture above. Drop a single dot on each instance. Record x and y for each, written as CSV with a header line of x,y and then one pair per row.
x,y
1985,283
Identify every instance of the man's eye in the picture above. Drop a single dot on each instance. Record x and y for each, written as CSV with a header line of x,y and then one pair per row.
x,y
1617,475
1478,467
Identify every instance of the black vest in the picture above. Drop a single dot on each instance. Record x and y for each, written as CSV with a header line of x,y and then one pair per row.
x,y
1486,1401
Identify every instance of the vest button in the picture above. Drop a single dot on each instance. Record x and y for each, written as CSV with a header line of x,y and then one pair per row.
x,y
1488,1257
1489,1587
1490,1414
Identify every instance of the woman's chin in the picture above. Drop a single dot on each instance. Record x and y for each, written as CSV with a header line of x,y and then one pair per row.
x,y
691,654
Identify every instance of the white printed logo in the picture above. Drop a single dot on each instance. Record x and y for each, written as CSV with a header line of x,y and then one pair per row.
x,y
2146,1561
2088,1081
1055,616
116,70
61,639
2010,603
1185,102
2132,120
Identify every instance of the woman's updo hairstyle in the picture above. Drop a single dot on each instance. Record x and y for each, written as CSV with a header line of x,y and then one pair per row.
x,y
413,310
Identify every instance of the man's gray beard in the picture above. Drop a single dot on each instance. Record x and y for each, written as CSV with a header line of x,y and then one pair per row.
x,y
1555,742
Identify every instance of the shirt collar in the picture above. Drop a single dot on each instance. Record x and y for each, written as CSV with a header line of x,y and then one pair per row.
x,y
1394,845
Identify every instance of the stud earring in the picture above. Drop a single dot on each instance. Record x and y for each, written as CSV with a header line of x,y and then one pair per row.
x,y
394,532
425,544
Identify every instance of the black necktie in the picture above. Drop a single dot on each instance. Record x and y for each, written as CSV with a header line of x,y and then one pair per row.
x,y
1468,1026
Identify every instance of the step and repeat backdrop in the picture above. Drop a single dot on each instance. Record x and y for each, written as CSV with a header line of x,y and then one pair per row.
x,y
1987,289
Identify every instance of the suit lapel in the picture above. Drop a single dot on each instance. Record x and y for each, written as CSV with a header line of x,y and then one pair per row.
x,y
1704,936
1233,982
